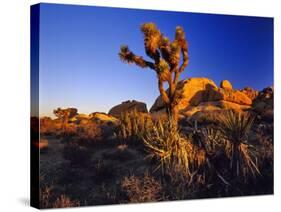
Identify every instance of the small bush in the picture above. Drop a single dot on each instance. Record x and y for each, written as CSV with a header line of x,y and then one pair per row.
x,y
49,200
89,131
49,126
133,125
46,197
65,202
142,189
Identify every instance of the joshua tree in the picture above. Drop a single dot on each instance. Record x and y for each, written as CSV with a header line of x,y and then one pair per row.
x,y
165,55
64,115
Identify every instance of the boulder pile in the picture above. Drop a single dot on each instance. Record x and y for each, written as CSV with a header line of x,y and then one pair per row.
x,y
202,95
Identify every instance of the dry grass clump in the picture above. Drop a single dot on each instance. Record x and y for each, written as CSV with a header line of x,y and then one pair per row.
x,y
176,153
70,129
265,143
48,199
45,197
65,202
49,126
142,189
83,134
235,127
133,125
89,131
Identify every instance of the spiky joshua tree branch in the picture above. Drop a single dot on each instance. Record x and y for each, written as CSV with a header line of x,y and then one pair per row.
x,y
166,58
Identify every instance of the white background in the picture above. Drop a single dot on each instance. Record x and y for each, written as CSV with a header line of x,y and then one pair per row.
x,y
14,103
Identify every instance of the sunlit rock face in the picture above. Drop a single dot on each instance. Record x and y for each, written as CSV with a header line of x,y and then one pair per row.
x,y
204,93
190,92
250,92
102,117
226,84
128,106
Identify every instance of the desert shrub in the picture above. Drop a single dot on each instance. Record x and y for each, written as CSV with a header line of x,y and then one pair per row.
x,y
266,147
49,126
46,125
133,125
65,202
70,129
48,199
84,134
76,153
89,131
235,127
104,194
142,189
46,196
177,154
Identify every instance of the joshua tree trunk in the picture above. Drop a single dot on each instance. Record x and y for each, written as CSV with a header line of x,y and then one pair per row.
x,y
169,99
64,125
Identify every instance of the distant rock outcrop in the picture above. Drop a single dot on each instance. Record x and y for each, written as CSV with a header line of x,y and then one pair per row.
x,y
225,84
128,106
200,92
263,104
250,92
102,118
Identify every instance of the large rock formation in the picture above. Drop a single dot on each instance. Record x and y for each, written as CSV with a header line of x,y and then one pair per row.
x,y
214,106
263,104
195,91
128,106
191,91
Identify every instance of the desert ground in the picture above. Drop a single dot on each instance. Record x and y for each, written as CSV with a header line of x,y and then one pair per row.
x,y
220,146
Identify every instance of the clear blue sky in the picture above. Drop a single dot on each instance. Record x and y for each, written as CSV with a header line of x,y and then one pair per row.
x,y
79,64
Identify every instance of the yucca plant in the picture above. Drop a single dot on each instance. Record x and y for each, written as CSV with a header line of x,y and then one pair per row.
x,y
176,153
235,127
213,139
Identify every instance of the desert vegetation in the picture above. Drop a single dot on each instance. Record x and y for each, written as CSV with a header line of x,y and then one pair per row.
x,y
166,61
198,140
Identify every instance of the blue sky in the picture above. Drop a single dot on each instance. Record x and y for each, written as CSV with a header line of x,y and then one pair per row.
x,y
79,64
